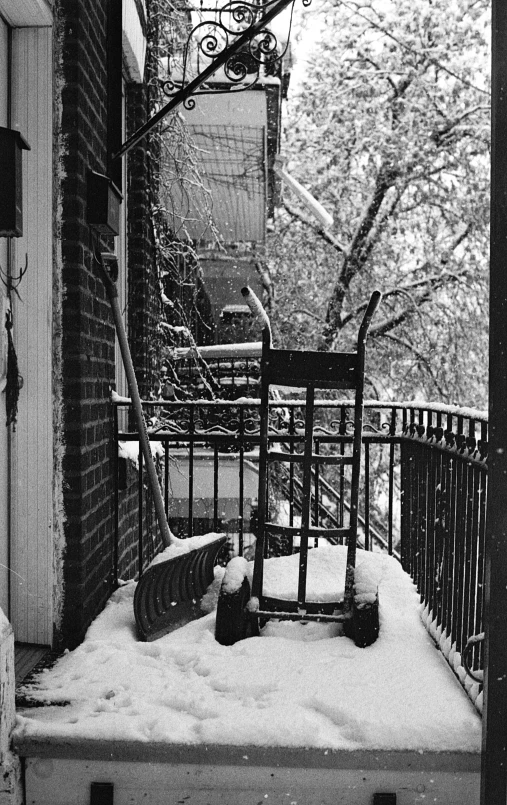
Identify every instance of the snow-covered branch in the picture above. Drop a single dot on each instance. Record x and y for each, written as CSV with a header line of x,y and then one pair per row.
x,y
308,221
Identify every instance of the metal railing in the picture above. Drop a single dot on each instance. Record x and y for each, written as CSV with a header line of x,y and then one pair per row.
x,y
443,518
423,489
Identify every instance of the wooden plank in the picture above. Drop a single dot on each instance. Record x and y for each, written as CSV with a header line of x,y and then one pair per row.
x,y
26,657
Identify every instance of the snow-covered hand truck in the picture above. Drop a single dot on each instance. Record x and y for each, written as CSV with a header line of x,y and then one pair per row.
x,y
243,608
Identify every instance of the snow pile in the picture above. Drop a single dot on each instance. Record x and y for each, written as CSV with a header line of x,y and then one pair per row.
x,y
235,572
325,574
130,451
325,579
181,546
296,685
453,657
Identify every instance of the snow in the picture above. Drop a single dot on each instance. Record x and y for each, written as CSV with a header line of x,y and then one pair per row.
x,y
130,451
326,574
295,685
117,398
415,405
249,349
236,570
5,626
181,546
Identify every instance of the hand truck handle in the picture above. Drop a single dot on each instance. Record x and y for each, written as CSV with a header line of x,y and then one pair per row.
x,y
373,304
258,311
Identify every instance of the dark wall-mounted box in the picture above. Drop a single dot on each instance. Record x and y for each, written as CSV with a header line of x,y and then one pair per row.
x,y
104,200
12,145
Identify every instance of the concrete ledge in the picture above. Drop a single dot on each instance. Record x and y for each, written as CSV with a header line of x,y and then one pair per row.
x,y
246,756
65,781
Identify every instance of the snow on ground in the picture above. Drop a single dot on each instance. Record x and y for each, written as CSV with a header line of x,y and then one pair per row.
x,y
296,685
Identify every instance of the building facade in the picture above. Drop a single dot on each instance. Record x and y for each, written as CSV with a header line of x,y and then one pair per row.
x,y
72,84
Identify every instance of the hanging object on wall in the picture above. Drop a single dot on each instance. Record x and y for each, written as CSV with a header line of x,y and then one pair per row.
x,y
13,378
103,204
12,145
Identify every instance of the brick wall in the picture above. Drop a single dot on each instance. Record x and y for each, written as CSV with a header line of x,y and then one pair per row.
x,y
144,290
88,332
88,335
128,522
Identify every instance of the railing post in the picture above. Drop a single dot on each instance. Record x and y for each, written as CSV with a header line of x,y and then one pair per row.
x,y
392,433
191,426
116,497
140,525
241,507
405,496
494,756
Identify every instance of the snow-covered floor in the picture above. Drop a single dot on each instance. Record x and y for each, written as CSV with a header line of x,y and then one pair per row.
x,y
296,685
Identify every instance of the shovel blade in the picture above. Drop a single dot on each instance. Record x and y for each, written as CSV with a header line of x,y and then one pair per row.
x,y
168,594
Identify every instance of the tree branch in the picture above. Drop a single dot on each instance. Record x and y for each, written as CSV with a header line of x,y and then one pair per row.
x,y
421,358
389,324
409,49
443,134
319,230
426,284
358,252
386,177
309,313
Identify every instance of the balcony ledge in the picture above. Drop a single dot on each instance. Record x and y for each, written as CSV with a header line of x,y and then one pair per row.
x,y
61,770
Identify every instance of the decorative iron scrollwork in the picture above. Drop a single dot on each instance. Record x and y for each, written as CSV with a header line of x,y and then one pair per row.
x,y
239,48
215,31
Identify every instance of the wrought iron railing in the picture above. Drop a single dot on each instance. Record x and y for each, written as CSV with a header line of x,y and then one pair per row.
x,y
443,522
423,490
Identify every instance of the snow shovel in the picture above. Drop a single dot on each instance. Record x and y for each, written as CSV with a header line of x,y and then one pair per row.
x,y
167,594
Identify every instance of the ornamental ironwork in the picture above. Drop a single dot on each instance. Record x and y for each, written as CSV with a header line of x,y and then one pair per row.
x,y
213,35
228,49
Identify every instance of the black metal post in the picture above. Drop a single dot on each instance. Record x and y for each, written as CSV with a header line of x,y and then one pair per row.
x,y
116,499
494,756
241,512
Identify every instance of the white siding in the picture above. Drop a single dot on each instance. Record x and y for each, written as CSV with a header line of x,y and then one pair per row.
x,y
134,43
4,435
32,460
27,12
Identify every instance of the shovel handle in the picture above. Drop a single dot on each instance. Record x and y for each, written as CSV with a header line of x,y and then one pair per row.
x,y
108,266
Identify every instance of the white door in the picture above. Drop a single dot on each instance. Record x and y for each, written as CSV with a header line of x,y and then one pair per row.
x,y
32,554
4,446
27,552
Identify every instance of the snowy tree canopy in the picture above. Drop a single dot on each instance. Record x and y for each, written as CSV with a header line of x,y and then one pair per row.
x,y
390,132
